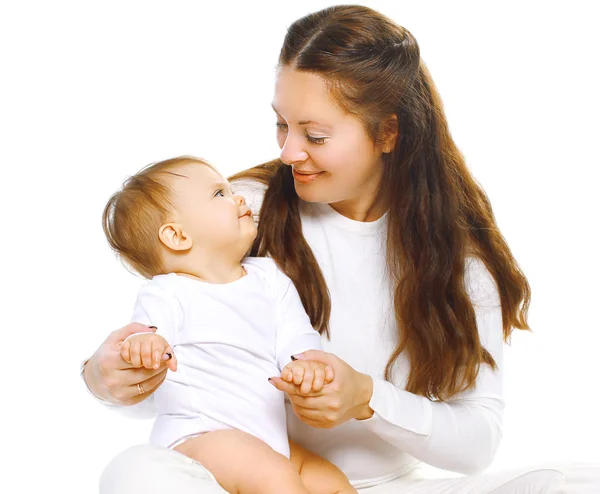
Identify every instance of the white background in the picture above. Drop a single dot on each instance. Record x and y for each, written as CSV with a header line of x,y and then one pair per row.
x,y
93,91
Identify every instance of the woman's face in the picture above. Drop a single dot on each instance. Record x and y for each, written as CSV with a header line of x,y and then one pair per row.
x,y
333,159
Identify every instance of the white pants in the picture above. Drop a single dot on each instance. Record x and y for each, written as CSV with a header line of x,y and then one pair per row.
x,y
147,469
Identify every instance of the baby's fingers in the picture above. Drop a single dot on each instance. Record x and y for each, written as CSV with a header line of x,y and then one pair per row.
x,y
287,375
169,355
307,381
298,373
146,352
319,379
329,374
158,349
135,353
125,347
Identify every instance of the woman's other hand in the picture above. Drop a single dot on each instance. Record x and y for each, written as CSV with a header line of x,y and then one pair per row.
x,y
346,397
112,379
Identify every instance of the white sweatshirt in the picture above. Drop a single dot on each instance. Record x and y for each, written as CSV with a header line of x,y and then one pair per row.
x,y
229,339
461,434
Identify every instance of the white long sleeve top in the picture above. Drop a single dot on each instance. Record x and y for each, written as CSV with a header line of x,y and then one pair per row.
x,y
461,434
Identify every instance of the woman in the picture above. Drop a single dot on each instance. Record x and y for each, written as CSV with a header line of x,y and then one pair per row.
x,y
395,252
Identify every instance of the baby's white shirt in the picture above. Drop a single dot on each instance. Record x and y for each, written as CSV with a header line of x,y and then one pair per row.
x,y
228,339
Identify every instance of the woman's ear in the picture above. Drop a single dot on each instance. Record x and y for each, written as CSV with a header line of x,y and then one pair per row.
x,y
389,134
174,237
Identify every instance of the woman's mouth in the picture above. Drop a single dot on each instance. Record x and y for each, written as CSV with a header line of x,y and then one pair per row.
x,y
305,177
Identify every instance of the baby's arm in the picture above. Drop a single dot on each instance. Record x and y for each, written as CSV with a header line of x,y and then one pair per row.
x,y
308,375
295,333
318,475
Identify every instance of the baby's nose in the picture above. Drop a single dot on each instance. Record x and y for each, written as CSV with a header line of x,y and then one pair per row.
x,y
240,200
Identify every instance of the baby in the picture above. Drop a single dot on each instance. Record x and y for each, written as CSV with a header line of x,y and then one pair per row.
x,y
227,322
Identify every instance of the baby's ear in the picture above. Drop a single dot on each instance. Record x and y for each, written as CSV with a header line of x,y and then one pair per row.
x,y
174,237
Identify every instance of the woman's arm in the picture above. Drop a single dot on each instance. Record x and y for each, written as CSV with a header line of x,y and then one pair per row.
x,y
461,434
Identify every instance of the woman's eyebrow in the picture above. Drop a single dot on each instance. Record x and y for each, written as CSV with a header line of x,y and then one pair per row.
x,y
313,122
305,122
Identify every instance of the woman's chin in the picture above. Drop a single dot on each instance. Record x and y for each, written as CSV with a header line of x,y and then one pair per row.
x,y
310,193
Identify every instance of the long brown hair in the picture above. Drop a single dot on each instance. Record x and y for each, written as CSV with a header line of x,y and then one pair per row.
x,y
438,214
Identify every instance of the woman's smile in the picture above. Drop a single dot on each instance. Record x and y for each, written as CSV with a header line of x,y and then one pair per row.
x,y
305,178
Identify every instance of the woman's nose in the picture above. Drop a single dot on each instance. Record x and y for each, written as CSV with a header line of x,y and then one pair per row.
x,y
293,151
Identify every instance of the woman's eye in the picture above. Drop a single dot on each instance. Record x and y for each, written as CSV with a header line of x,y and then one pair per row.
x,y
315,140
219,193
281,126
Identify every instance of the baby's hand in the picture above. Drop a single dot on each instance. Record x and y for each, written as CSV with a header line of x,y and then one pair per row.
x,y
148,350
308,374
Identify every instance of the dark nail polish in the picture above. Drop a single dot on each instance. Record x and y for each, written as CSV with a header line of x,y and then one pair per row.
x,y
169,355
293,358
269,379
152,327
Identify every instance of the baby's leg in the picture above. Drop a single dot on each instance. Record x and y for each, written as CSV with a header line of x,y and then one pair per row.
x,y
319,475
243,464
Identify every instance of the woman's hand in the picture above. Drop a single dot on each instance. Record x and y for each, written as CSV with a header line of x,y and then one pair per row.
x,y
112,379
346,397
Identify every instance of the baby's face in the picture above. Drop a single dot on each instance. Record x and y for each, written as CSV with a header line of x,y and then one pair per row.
x,y
217,220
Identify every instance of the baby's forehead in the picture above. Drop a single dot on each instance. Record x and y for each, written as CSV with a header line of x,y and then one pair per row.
x,y
199,173
194,177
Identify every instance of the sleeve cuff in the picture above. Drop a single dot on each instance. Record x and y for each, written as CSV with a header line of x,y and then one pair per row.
x,y
396,408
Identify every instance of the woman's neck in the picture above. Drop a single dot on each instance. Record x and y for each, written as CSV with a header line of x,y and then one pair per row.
x,y
362,209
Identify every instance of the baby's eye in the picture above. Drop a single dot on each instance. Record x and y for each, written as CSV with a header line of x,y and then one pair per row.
x,y
219,193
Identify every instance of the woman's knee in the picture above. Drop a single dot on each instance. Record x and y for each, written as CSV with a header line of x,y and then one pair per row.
x,y
127,462
148,469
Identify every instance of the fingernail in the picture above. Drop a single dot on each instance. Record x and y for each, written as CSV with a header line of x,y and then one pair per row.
x,y
293,357
152,327
269,379
167,356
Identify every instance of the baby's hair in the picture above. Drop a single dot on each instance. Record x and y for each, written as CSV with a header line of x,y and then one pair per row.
x,y
133,215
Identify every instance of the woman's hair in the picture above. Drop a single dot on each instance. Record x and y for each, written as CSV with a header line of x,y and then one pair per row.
x,y
133,215
438,214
